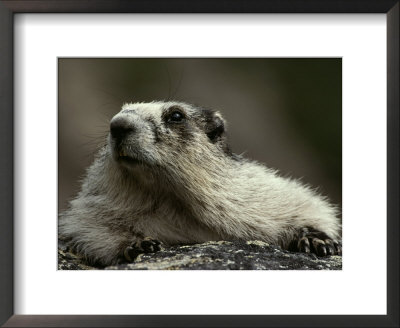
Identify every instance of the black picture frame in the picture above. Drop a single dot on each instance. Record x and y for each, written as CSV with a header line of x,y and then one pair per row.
x,y
10,7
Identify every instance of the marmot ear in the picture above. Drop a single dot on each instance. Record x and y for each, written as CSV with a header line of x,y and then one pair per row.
x,y
215,127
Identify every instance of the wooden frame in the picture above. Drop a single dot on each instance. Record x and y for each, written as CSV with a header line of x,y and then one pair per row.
x,y
7,10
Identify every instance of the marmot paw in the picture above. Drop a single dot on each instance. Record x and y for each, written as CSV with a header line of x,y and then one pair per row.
x,y
310,240
146,245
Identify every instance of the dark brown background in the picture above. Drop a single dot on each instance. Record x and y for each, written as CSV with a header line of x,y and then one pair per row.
x,y
286,113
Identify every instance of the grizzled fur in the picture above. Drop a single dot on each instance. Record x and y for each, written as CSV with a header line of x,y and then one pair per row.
x,y
173,177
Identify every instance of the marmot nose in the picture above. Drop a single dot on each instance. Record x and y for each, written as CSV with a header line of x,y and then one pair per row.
x,y
120,127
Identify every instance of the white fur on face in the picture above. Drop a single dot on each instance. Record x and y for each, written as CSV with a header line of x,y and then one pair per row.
x,y
147,121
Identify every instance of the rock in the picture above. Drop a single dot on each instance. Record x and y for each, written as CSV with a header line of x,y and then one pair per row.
x,y
221,255
70,261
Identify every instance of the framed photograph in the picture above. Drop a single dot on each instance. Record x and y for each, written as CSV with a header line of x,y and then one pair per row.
x,y
272,114
308,89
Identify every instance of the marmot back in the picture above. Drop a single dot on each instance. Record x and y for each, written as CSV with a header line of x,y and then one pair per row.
x,y
167,175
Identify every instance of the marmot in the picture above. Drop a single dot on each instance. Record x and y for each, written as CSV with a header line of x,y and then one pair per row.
x,y
167,174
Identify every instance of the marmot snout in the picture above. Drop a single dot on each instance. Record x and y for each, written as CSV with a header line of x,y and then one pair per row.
x,y
168,175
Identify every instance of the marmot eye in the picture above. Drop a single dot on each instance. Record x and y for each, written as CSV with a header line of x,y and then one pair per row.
x,y
175,117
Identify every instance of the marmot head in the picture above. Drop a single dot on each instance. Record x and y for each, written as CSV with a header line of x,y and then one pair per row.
x,y
158,132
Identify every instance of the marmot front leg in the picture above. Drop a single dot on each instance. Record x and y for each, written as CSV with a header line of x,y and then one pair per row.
x,y
139,246
310,240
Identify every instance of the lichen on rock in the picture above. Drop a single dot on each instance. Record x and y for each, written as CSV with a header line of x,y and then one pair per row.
x,y
215,255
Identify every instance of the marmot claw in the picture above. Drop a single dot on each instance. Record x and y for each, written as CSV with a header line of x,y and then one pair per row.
x,y
310,240
146,245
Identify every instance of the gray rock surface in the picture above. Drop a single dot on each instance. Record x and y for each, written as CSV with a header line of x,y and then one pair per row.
x,y
221,255
70,261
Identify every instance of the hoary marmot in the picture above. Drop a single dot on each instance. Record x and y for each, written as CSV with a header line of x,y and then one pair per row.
x,y
167,175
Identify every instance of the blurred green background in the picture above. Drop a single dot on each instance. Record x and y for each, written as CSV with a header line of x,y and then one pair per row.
x,y
284,112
